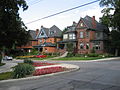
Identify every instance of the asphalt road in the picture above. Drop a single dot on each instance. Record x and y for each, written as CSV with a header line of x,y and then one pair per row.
x,y
100,75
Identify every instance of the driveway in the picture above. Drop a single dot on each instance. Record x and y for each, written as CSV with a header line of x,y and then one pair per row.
x,y
98,75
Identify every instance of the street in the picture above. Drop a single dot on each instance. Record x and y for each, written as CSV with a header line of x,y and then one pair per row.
x,y
97,75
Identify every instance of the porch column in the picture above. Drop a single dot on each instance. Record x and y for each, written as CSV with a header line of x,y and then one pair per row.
x,y
65,47
57,46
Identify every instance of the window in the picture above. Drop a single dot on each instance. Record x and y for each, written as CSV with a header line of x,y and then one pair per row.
x,y
87,46
65,36
72,36
87,34
52,32
40,40
81,24
81,34
98,34
81,46
42,33
97,46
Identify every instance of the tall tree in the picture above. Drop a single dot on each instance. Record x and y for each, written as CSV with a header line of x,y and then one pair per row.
x,y
12,29
112,20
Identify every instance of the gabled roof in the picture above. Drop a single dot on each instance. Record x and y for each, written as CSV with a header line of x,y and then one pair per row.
x,y
88,22
32,34
54,31
71,28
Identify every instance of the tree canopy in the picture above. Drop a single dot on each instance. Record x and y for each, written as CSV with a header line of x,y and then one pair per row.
x,y
12,29
109,18
112,20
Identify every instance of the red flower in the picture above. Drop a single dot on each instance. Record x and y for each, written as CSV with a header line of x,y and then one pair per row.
x,y
42,64
47,70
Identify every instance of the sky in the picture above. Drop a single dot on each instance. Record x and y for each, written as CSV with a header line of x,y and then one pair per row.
x,y
42,8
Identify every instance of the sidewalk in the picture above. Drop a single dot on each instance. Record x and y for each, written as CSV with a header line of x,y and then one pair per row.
x,y
7,66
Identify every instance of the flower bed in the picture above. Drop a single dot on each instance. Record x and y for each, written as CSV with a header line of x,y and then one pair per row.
x,y
48,70
42,64
30,56
41,56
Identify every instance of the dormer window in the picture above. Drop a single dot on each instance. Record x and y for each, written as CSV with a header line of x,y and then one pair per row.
x,y
52,32
81,24
42,33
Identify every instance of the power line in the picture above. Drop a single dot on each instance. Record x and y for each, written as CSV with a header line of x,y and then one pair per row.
x,y
63,11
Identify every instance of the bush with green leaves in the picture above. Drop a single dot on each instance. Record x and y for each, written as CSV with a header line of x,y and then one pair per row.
x,y
92,55
28,61
70,54
23,69
79,55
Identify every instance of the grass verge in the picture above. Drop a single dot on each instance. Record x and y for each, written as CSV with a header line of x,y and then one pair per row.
x,y
78,58
1,64
5,76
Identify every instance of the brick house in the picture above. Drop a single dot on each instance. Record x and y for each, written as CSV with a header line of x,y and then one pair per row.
x,y
33,41
87,35
47,38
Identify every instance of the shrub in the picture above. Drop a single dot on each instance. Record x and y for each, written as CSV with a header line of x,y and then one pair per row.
x,y
79,55
93,55
70,54
21,70
33,52
28,61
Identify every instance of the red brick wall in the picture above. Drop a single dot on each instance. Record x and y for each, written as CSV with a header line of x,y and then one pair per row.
x,y
52,40
50,49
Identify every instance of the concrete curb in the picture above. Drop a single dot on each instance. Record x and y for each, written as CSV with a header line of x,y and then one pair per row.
x,y
72,67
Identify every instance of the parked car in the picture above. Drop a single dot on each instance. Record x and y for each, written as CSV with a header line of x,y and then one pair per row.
x,y
8,58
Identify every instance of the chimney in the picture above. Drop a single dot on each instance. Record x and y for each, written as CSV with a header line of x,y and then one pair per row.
x,y
74,23
37,31
41,26
93,22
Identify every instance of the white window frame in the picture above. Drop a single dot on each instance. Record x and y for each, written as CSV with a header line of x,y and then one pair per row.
x,y
81,34
65,36
87,34
88,45
81,46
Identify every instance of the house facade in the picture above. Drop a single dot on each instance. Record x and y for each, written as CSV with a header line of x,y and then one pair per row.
x,y
86,36
47,38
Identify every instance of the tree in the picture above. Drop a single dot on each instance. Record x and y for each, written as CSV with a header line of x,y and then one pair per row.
x,y
115,41
12,30
112,20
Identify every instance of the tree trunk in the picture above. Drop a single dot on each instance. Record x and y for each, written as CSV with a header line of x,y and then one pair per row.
x,y
116,52
2,54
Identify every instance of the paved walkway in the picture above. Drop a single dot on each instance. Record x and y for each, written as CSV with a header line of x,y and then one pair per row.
x,y
7,66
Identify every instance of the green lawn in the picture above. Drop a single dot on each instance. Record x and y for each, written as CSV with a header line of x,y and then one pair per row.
x,y
79,58
42,58
1,64
6,75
